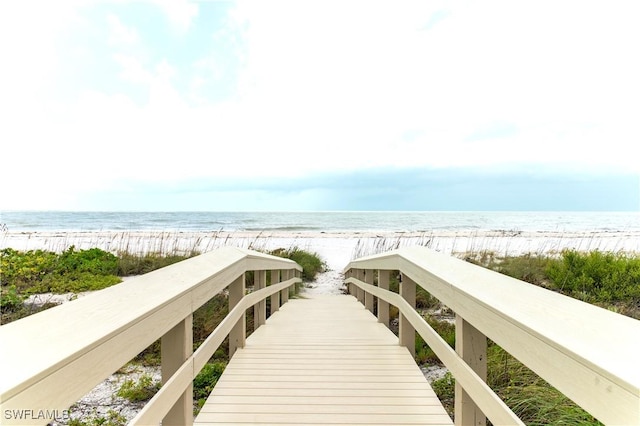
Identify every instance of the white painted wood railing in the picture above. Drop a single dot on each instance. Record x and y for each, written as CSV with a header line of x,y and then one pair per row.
x,y
588,353
49,360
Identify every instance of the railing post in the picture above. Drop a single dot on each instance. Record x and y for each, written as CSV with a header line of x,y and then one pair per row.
x,y
284,294
383,307
359,275
175,347
260,308
368,297
407,334
275,298
238,333
296,274
471,345
351,288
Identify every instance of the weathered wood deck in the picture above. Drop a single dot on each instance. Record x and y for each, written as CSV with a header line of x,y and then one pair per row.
x,y
323,360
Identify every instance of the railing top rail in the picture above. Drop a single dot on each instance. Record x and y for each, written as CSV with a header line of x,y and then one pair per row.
x,y
599,346
37,346
155,410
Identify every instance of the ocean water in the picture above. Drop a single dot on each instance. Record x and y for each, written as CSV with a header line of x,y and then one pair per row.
x,y
431,221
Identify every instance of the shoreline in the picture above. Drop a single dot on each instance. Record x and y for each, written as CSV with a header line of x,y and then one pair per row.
x,y
336,248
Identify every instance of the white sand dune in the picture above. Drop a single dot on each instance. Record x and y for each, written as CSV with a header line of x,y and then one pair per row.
x,y
336,248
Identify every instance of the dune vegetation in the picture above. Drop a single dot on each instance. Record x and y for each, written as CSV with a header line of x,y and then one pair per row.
x,y
608,280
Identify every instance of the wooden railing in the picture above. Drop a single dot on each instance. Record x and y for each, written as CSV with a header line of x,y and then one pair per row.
x,y
588,353
49,360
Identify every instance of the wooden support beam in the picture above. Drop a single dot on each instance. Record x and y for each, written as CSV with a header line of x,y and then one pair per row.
x,y
407,334
260,308
359,275
368,297
275,298
176,346
383,307
238,334
351,288
471,345
284,294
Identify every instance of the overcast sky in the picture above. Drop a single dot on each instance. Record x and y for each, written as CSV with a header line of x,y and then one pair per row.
x,y
325,105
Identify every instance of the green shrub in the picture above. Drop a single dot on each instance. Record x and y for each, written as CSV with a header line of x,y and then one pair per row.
x,y
24,269
445,390
151,355
10,300
93,261
424,300
529,267
446,330
142,390
609,280
531,398
207,317
113,419
132,264
311,263
38,271
534,400
207,378
597,276
73,283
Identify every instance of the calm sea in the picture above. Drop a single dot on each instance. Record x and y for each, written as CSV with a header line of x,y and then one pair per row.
x,y
432,221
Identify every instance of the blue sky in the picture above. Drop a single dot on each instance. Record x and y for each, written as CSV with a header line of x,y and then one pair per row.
x,y
319,105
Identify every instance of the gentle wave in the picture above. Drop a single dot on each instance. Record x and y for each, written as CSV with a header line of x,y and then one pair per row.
x,y
323,221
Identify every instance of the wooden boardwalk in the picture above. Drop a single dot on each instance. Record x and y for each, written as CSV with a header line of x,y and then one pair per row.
x,y
323,360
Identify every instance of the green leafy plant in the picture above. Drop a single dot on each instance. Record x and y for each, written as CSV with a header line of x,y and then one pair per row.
x,y
445,389
38,271
446,330
142,390
95,261
597,276
24,269
10,300
610,280
531,398
205,381
208,316
133,264
113,418
311,263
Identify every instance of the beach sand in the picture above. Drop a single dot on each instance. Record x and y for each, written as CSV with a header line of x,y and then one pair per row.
x,y
335,248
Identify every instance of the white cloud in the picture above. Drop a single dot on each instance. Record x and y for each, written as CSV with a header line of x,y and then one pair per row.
x,y
355,79
120,34
328,86
29,49
132,69
180,13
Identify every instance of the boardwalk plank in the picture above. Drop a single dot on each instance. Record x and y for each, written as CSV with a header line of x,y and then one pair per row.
x,y
323,360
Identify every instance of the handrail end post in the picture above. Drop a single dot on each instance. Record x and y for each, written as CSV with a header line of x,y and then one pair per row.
x,y
260,309
176,346
359,275
407,333
237,336
368,297
284,294
275,298
471,346
383,306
